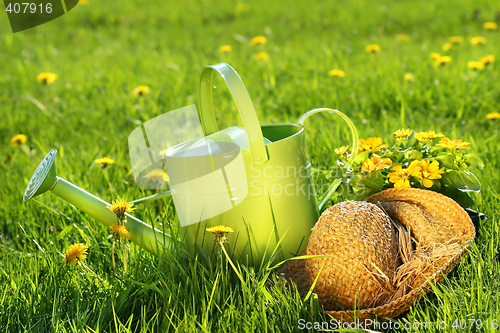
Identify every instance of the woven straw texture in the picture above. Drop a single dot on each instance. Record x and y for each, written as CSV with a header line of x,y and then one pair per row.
x,y
431,218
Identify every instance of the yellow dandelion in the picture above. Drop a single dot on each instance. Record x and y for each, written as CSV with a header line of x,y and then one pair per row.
x,y
371,144
158,175
477,65
341,151
141,90
105,161
428,136
456,39
428,171
443,60
225,49
493,115
119,231
447,47
451,144
120,207
261,56
401,177
336,72
403,37
488,59
220,232
18,140
375,164
46,78
490,26
409,77
258,40
435,55
402,134
74,253
373,48
478,40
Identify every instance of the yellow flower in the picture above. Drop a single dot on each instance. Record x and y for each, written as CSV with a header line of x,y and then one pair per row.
x,y
258,40
371,144
488,59
456,39
336,72
443,60
225,49
478,40
75,252
450,144
341,151
141,90
261,56
447,46
493,115
401,177
403,37
373,48
429,170
475,65
409,77
220,232
46,78
375,164
120,207
104,161
158,174
425,136
402,134
119,231
18,140
490,26
435,55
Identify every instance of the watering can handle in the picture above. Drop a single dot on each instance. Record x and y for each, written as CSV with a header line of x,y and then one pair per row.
x,y
243,104
355,144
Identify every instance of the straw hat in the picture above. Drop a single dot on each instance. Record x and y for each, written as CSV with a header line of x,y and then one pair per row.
x,y
379,266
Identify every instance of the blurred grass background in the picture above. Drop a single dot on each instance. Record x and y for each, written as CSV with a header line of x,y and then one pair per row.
x,y
102,50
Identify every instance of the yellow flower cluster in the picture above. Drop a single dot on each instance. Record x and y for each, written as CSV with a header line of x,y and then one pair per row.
x,y
375,164
371,144
336,72
453,144
18,140
428,136
75,252
402,134
373,48
105,161
46,77
119,231
120,207
424,170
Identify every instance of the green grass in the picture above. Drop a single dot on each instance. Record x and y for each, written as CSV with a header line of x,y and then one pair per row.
x,y
103,50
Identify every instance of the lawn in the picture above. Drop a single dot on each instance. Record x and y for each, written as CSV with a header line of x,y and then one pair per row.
x,y
101,51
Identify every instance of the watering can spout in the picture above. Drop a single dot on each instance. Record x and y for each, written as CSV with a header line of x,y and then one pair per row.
x,y
144,235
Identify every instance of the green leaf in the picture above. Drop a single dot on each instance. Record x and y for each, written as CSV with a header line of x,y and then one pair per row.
x,y
415,155
462,198
473,160
447,161
360,158
463,180
373,180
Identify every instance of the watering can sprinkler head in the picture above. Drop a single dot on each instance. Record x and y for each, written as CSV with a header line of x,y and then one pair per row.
x,y
44,178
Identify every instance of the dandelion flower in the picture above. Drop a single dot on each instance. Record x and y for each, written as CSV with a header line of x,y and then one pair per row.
x,y
477,65
447,47
428,136
450,144
435,55
225,49
428,171
341,151
336,72
375,164
401,177
371,144
220,232
488,59
478,40
75,252
409,77
141,90
373,48
158,174
46,78
18,140
119,231
456,39
490,26
258,40
105,161
402,134
443,60
261,56
120,207
493,115
403,37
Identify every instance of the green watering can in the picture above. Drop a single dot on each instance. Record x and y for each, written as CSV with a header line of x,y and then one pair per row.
x,y
269,201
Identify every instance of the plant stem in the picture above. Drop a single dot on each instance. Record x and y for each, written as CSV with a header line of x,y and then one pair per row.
x,y
231,262
124,255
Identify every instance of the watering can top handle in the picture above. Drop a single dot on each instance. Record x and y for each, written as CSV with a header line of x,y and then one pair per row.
x,y
243,104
